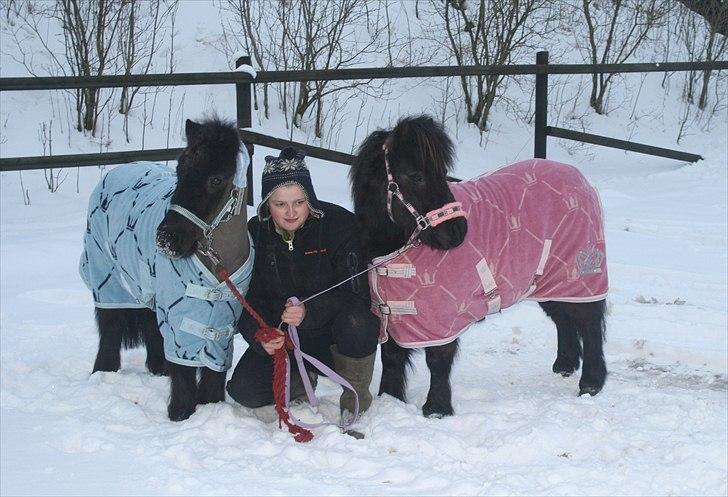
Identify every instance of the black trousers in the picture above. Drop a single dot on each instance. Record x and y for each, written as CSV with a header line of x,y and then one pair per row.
x,y
354,331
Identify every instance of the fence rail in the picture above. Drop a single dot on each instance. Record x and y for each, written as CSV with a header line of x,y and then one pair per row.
x,y
243,82
233,77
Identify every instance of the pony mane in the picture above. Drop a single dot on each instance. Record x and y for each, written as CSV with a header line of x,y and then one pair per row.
x,y
368,180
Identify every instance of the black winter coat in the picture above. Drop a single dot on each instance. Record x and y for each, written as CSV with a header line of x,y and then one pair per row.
x,y
324,252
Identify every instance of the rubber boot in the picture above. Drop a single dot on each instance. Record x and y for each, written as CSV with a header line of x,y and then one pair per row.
x,y
358,372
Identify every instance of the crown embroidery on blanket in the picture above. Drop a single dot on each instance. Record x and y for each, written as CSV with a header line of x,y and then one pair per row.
x,y
589,261
426,279
572,202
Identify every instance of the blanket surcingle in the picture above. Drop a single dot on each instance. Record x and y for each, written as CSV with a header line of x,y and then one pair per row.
x,y
123,268
535,231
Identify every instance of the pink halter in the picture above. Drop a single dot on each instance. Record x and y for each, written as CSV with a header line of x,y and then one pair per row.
x,y
432,218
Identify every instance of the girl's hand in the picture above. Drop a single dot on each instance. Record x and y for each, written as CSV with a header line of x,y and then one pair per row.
x,y
293,314
274,344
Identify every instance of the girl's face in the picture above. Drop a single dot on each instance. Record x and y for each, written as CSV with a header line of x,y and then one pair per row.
x,y
289,207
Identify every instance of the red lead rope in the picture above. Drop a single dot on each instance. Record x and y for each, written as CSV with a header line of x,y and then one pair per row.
x,y
267,333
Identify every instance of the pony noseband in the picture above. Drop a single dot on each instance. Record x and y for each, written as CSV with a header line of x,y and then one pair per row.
x,y
432,218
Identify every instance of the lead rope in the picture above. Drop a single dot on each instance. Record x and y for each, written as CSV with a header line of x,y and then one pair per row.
x,y
267,333
281,370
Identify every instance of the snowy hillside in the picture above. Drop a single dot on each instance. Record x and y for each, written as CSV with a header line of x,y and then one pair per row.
x,y
659,427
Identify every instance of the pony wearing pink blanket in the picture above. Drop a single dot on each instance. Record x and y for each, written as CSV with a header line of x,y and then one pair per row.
x,y
448,254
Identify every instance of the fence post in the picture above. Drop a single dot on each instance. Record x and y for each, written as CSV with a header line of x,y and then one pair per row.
x,y
245,118
542,88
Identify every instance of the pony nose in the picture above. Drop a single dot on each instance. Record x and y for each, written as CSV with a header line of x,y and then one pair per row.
x,y
449,234
171,237
168,241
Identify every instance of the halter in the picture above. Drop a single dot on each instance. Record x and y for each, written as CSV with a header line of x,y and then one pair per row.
x,y
432,218
231,208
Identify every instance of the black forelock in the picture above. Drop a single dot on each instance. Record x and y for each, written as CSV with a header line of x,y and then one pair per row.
x,y
426,141
216,143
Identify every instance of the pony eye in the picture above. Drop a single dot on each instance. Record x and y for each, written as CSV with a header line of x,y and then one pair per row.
x,y
215,181
416,177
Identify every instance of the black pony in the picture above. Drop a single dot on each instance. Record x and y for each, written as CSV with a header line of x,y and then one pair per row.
x,y
414,158
145,224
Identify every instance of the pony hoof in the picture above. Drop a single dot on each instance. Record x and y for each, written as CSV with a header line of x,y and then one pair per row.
x,y
589,390
436,412
105,368
564,367
211,398
180,413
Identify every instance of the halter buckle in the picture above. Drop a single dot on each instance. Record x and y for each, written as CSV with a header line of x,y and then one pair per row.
x,y
393,187
209,252
423,222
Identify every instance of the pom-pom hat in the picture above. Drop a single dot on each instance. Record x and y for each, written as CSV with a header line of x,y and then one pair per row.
x,y
289,168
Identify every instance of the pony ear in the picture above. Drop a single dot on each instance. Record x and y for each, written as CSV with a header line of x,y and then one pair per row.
x,y
192,129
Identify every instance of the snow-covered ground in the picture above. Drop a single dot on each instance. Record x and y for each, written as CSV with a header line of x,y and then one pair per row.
x,y
659,427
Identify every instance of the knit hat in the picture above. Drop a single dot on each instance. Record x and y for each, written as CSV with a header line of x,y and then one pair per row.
x,y
287,169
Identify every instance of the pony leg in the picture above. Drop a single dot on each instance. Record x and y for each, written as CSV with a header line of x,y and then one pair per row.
x,y
183,396
395,360
211,387
115,327
568,353
590,321
439,398
147,324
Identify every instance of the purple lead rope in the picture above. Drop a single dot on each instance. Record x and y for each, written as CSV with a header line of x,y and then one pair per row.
x,y
300,356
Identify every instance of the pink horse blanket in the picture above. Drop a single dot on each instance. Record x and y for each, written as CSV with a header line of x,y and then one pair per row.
x,y
535,232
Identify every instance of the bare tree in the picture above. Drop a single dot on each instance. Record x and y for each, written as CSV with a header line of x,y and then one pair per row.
x,y
327,34
489,32
615,30
715,12
97,37
308,35
703,42
89,29
142,31
243,29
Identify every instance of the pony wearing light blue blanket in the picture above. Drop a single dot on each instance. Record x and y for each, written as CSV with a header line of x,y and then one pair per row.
x,y
145,261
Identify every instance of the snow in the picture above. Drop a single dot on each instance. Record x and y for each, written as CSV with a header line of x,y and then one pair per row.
x,y
659,427
247,69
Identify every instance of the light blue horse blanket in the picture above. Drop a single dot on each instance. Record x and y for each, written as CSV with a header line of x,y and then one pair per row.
x,y
123,268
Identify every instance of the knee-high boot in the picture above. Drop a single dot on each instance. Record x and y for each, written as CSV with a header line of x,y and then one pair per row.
x,y
358,372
